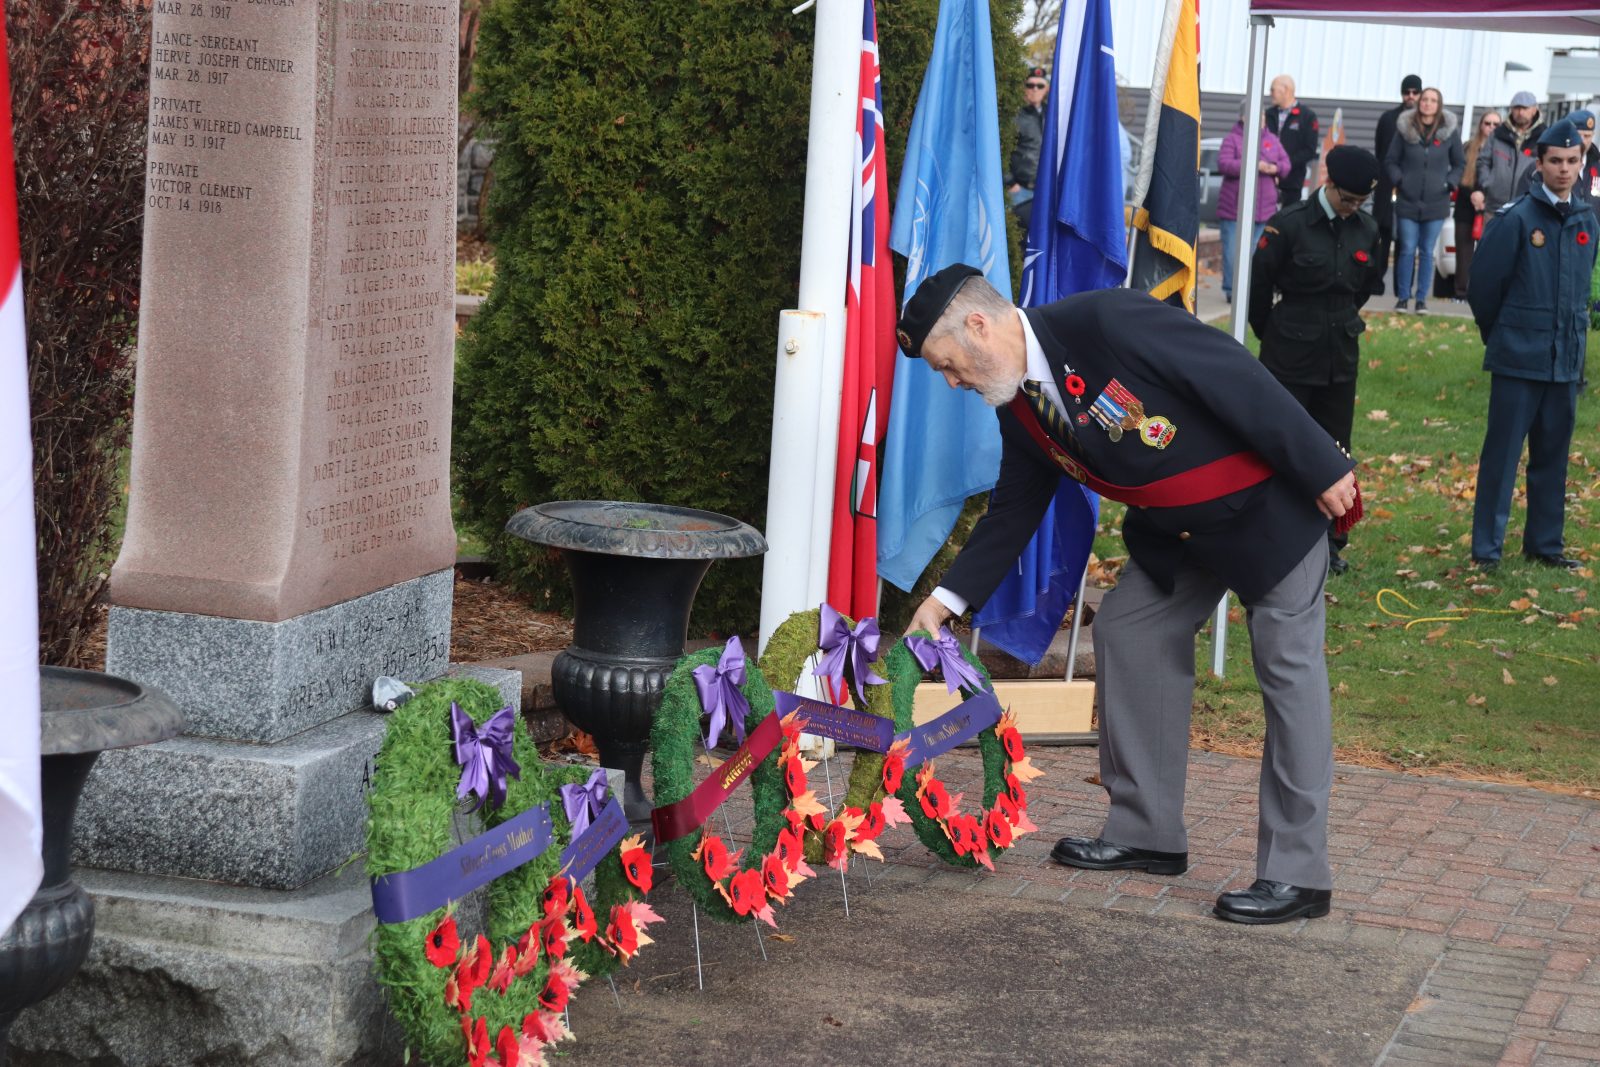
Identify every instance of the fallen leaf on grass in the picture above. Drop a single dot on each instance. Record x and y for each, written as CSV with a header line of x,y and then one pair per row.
x,y
1378,415
1522,603
781,937
1342,689
1382,513
1530,618
1505,677
1476,701
1432,635
1548,679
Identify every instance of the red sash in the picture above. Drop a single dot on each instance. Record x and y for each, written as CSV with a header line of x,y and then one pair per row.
x,y
1206,482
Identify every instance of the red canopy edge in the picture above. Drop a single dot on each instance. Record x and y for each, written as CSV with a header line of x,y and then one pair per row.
x,y
1580,17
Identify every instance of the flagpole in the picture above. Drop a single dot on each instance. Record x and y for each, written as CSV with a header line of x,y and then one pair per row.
x,y
810,356
1243,246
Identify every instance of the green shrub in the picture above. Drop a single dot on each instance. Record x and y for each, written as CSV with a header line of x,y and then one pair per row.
x,y
475,278
646,215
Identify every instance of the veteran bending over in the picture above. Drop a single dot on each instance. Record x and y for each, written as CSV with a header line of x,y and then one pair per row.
x,y
1230,485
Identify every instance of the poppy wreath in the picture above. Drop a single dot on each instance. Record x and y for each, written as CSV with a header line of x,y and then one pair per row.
x,y
867,809
495,1000
731,886
959,838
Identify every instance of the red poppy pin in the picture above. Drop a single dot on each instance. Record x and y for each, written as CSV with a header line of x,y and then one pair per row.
x,y
1294,111
1075,385
1263,242
1583,237
1527,151
1361,255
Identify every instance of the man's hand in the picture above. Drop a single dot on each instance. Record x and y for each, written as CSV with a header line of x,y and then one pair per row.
x,y
931,615
1338,498
1477,199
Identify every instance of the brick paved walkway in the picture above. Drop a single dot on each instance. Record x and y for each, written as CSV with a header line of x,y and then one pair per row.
x,y
1501,885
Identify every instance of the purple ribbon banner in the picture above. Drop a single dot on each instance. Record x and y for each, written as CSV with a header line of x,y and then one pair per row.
x,y
596,842
955,727
859,728
408,894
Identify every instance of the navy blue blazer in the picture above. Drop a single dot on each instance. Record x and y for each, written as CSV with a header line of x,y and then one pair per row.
x,y
1215,398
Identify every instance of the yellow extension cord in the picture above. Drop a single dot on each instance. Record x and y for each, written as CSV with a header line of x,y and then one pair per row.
x,y
1460,616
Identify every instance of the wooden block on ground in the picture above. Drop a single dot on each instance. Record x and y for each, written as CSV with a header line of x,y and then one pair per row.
x,y
1056,712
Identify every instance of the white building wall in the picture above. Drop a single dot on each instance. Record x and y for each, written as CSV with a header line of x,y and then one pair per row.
x,y
1340,60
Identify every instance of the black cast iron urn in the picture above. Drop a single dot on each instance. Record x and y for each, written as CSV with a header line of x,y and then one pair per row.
x,y
635,571
82,713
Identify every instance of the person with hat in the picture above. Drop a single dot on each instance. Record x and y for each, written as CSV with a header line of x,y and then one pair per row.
x,y
1530,296
1383,195
1314,267
1508,157
1030,142
1230,485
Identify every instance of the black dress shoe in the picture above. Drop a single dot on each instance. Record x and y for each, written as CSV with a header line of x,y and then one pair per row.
x,y
1097,854
1337,565
1485,564
1564,562
1272,902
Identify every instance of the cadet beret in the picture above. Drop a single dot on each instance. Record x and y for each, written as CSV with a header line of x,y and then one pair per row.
x,y
1524,99
1412,83
1582,118
1562,135
1353,168
928,303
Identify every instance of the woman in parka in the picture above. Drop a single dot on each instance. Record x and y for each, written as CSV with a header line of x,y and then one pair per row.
x,y
1424,163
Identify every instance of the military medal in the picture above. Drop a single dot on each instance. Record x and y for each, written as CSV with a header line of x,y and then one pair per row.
x,y
1082,418
1130,403
1157,431
1109,414
1536,238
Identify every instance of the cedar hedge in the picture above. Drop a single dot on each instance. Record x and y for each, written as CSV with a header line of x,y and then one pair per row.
x,y
646,214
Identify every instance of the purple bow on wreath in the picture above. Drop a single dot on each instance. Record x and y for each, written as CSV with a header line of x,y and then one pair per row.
x,y
484,753
583,802
839,643
945,653
720,694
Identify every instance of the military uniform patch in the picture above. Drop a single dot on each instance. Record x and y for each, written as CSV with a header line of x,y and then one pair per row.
x,y
1536,238
1157,431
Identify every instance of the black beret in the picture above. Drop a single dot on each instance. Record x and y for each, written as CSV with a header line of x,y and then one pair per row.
x,y
1351,168
1038,72
1411,82
928,303
1562,135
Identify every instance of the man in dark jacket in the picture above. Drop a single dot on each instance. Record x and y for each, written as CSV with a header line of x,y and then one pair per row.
x,y
1296,126
1230,485
1530,296
1383,195
1321,257
1030,142
1508,156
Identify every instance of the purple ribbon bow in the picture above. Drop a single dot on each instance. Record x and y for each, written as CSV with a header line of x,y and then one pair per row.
x,y
720,694
839,643
584,802
484,753
945,653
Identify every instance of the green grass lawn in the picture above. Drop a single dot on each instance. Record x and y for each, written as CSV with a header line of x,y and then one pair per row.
x,y
1434,665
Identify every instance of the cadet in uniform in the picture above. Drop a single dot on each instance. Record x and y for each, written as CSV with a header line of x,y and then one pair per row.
x,y
1230,485
1529,293
1321,259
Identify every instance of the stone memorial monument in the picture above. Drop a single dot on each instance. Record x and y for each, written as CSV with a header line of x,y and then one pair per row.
x,y
289,534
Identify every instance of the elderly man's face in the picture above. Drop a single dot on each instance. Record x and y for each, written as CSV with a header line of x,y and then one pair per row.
x,y
969,359
1282,91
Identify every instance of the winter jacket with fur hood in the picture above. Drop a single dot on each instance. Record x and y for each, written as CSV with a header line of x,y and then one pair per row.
x,y
1424,170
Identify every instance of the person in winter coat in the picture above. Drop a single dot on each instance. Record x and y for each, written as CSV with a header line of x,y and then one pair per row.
x,y
1467,217
1295,125
1030,141
1530,297
1507,158
1274,161
1424,164
1383,195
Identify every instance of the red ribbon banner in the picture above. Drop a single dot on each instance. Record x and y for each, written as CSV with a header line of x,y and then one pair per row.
x,y
689,814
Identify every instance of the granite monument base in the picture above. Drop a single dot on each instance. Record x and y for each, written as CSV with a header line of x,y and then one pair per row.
x,y
188,972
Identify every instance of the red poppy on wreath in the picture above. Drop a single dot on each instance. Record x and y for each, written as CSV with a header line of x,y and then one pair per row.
x,y
553,937
1075,385
794,776
555,993
746,892
714,858
477,1034
817,820
1007,807
835,843
1583,237
556,896
1014,790
872,822
997,828
473,970
458,994
544,1028
965,834
622,933
527,951
504,970
1011,740
443,943
775,877
894,768
508,1048
583,922
1361,255
789,848
935,799
636,863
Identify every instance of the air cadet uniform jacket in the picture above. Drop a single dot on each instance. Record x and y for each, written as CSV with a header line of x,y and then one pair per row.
x,y
1325,269
1180,395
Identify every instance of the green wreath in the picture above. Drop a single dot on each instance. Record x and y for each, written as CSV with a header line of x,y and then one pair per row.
x,y
960,839
453,998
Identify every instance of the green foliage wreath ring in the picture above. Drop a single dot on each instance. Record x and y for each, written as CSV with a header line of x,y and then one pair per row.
x,y
411,810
